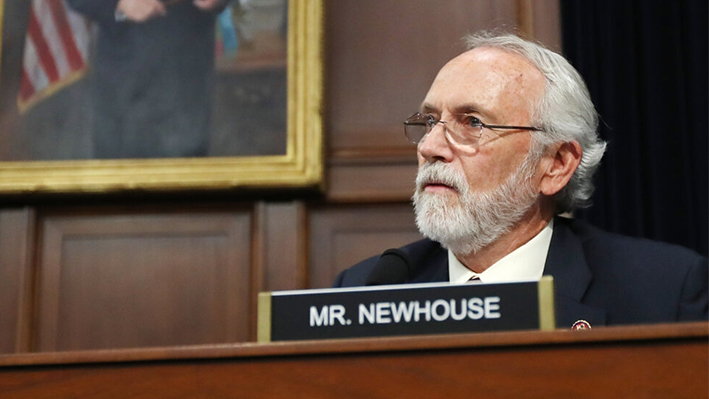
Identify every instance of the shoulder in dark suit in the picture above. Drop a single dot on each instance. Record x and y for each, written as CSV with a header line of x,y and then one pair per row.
x,y
599,277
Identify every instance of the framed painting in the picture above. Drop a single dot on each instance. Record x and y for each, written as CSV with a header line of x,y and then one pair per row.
x,y
88,119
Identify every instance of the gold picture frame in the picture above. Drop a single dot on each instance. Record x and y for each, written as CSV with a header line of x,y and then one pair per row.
x,y
300,166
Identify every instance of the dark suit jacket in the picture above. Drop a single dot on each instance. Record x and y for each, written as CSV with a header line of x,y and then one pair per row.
x,y
599,277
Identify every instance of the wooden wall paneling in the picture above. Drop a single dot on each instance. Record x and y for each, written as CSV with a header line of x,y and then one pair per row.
x,y
370,179
281,250
342,236
279,259
130,280
540,19
525,17
547,23
284,247
383,55
17,242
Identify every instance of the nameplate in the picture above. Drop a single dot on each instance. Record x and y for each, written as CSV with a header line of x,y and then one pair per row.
x,y
410,309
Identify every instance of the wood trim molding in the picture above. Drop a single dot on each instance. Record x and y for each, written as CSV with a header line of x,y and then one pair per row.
x,y
525,17
279,260
17,244
65,285
632,333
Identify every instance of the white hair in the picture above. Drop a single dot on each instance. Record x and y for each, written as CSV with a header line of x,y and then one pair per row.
x,y
565,112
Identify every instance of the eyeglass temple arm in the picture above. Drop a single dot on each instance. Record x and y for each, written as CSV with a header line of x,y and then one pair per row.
x,y
513,127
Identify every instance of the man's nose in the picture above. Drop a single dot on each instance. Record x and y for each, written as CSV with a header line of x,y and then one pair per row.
x,y
435,146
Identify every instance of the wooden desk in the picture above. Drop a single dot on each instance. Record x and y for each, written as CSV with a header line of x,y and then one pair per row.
x,y
660,361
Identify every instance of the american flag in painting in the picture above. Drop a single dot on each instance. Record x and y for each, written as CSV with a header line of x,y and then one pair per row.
x,y
56,47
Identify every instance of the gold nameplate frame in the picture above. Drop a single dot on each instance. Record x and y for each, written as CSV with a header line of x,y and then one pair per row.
x,y
407,309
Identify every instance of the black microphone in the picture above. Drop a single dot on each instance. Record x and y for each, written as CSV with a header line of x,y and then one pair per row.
x,y
392,268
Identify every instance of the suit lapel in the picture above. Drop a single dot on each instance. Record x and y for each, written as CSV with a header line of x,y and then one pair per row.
x,y
572,277
565,261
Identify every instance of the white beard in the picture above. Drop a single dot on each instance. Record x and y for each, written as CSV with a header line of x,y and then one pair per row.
x,y
471,220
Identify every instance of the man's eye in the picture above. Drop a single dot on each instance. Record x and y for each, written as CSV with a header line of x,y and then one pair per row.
x,y
475,122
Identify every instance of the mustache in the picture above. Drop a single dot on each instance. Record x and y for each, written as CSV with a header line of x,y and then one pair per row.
x,y
440,173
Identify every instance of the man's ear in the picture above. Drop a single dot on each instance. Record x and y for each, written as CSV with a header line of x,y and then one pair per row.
x,y
563,159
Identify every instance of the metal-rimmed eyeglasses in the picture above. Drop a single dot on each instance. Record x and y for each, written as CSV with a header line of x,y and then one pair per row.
x,y
464,131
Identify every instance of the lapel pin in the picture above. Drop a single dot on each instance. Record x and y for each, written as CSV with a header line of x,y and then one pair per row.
x,y
581,325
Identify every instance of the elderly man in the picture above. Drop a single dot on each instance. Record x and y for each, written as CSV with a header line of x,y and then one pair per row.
x,y
506,143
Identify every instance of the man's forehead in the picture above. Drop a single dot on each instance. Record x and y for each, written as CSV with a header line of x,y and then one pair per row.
x,y
487,72
497,61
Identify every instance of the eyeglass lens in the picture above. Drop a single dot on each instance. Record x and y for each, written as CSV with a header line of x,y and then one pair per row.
x,y
419,125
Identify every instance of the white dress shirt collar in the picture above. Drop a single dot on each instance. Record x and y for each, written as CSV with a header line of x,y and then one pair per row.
x,y
525,263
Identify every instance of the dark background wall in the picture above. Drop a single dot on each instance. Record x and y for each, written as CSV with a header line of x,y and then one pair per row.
x,y
645,63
